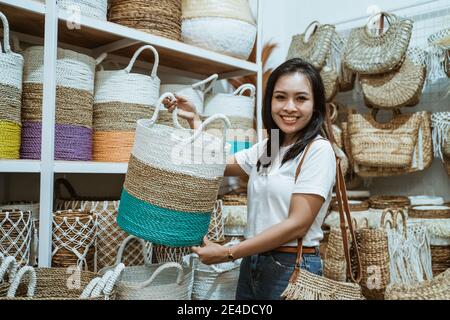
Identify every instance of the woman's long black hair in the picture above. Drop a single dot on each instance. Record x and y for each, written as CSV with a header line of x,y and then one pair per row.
x,y
312,129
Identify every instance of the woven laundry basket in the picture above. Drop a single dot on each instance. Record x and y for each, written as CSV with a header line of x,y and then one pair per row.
x,y
122,98
63,284
74,236
16,234
74,104
97,9
158,17
398,88
169,281
226,27
240,110
215,282
11,65
172,182
234,213
195,92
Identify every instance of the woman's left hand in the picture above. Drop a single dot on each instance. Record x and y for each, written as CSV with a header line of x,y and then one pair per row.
x,y
211,253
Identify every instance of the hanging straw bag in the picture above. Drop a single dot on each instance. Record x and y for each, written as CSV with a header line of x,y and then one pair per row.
x,y
96,9
314,49
304,285
330,81
194,93
439,55
169,281
11,65
170,190
226,27
240,111
440,122
122,98
371,54
63,284
398,88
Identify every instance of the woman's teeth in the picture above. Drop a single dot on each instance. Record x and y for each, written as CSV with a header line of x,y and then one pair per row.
x,y
289,119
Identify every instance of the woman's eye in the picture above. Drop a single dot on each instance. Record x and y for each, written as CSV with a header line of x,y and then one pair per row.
x,y
279,97
302,98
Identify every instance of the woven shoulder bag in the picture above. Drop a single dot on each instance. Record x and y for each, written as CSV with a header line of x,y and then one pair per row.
x,y
316,48
398,88
304,285
371,54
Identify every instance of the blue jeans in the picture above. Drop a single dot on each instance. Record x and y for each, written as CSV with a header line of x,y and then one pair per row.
x,y
266,276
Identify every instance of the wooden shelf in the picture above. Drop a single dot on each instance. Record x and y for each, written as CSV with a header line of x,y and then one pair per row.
x,y
90,167
20,166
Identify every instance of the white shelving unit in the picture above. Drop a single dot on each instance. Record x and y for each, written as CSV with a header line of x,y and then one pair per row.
x,y
37,23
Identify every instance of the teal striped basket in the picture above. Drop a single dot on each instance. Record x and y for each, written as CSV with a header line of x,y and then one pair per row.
x,y
172,182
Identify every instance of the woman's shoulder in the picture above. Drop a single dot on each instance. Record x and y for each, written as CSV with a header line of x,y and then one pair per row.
x,y
322,145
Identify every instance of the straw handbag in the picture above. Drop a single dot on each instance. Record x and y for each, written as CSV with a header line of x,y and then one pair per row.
x,y
169,281
240,111
11,65
226,27
304,285
74,104
159,17
195,93
63,284
121,98
398,88
439,55
375,54
316,48
90,8
172,181
330,81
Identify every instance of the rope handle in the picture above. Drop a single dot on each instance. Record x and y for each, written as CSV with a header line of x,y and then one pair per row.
x,y
403,216
113,279
32,281
6,45
383,221
123,246
165,266
212,80
2,257
316,24
242,89
334,112
136,55
9,265
396,112
87,292
64,182
390,18
104,284
16,43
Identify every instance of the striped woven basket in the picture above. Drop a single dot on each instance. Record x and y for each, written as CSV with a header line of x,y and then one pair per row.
x,y
74,104
90,8
240,110
226,27
122,98
11,66
158,17
172,182
195,93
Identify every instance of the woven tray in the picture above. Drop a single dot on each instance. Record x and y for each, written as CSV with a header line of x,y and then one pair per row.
x,y
429,212
385,202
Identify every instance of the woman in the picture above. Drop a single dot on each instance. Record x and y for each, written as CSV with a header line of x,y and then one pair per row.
x,y
280,210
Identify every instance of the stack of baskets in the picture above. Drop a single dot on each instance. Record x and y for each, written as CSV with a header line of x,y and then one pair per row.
x,y
74,104
11,65
240,110
122,98
90,8
227,27
168,195
158,17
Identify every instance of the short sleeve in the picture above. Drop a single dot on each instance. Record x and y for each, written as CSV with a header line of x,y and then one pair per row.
x,y
318,172
247,159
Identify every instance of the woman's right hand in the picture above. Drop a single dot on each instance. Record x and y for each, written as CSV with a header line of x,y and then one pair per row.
x,y
186,110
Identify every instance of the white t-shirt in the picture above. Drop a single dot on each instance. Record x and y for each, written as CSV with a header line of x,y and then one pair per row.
x,y
269,196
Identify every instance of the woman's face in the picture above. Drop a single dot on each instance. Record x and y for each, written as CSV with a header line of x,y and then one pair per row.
x,y
292,104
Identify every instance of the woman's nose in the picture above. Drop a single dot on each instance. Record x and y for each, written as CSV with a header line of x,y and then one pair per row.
x,y
289,106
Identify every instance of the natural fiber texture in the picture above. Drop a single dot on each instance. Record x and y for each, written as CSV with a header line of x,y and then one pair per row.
x,y
440,259
71,142
316,49
440,122
16,234
355,206
241,129
370,54
118,116
234,200
166,254
231,37
73,106
169,190
112,146
216,226
429,212
161,18
347,78
91,8
9,140
396,89
74,235
330,81
334,265
165,118
388,202
233,9
386,145
10,100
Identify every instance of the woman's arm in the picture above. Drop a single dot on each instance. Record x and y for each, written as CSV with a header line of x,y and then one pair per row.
x,y
302,213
